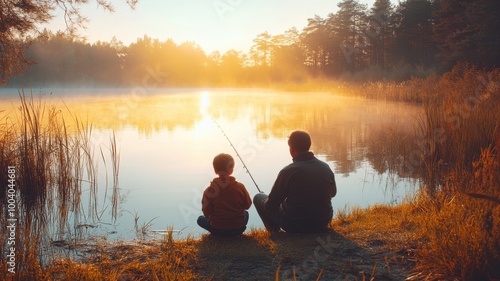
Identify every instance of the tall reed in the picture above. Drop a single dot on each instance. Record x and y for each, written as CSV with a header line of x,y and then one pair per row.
x,y
461,231
460,120
54,163
462,193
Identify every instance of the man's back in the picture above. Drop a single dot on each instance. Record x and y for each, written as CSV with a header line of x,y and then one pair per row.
x,y
304,189
300,199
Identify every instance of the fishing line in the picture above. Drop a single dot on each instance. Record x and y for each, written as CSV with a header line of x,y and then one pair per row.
x,y
237,154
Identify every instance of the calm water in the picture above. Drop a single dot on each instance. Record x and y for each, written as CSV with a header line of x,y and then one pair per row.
x,y
168,138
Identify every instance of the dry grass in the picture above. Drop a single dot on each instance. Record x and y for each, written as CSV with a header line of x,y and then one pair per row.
x,y
399,222
153,260
461,196
255,256
460,234
460,120
415,90
54,163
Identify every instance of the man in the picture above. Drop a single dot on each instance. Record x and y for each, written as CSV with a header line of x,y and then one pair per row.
x,y
300,199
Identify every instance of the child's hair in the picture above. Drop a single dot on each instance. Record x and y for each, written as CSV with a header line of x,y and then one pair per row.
x,y
223,163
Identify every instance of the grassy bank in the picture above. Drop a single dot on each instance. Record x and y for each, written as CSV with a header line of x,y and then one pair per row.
x,y
459,157
358,249
412,240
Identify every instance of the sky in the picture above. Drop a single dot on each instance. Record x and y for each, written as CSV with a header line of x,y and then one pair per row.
x,y
212,24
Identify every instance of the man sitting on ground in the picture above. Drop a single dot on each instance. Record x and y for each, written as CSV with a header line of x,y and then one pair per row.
x,y
300,199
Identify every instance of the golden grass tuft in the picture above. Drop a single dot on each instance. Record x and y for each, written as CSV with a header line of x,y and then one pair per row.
x,y
458,226
66,270
151,260
397,224
264,239
461,233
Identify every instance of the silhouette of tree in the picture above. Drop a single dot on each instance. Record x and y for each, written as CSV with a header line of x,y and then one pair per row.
x,y
380,33
261,58
261,51
350,24
467,31
396,39
231,68
316,39
214,60
147,62
62,59
336,44
288,56
415,43
20,18
187,69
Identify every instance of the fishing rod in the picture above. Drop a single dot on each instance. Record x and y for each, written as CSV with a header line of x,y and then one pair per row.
x,y
237,154
168,231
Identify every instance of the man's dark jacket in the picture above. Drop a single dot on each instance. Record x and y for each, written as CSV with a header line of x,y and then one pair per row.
x,y
301,195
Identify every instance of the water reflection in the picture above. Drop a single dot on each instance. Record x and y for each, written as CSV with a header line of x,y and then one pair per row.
x,y
348,131
167,140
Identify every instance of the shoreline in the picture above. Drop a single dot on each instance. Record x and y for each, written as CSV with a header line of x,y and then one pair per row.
x,y
347,251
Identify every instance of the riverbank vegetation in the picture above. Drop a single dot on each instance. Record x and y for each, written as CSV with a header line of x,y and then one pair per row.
x,y
461,132
448,230
358,249
49,182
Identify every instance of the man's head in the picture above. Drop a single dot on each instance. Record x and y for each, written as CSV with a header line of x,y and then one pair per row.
x,y
223,164
299,142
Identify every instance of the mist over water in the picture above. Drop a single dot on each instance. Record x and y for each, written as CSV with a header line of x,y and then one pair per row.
x,y
167,139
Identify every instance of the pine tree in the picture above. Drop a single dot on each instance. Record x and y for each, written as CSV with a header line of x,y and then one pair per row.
x,y
467,31
415,43
380,33
350,24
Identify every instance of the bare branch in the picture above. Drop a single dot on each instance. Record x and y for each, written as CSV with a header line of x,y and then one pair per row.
x,y
21,17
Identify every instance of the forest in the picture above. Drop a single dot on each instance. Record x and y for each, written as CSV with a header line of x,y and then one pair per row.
x,y
385,42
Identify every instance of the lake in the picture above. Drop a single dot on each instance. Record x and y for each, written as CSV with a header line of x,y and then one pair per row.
x,y
167,139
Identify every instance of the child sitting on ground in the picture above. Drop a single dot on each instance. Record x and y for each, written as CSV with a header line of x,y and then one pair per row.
x,y
225,201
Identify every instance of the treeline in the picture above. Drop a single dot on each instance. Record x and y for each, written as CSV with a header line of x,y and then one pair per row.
x,y
413,38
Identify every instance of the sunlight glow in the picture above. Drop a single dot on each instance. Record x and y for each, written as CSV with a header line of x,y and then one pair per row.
x,y
204,102
201,126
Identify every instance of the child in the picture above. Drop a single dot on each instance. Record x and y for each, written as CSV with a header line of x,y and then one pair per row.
x,y
225,201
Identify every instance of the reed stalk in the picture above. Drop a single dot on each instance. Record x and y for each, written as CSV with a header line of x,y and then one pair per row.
x,y
54,163
460,225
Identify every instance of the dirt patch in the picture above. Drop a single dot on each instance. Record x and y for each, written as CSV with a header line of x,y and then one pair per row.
x,y
329,256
